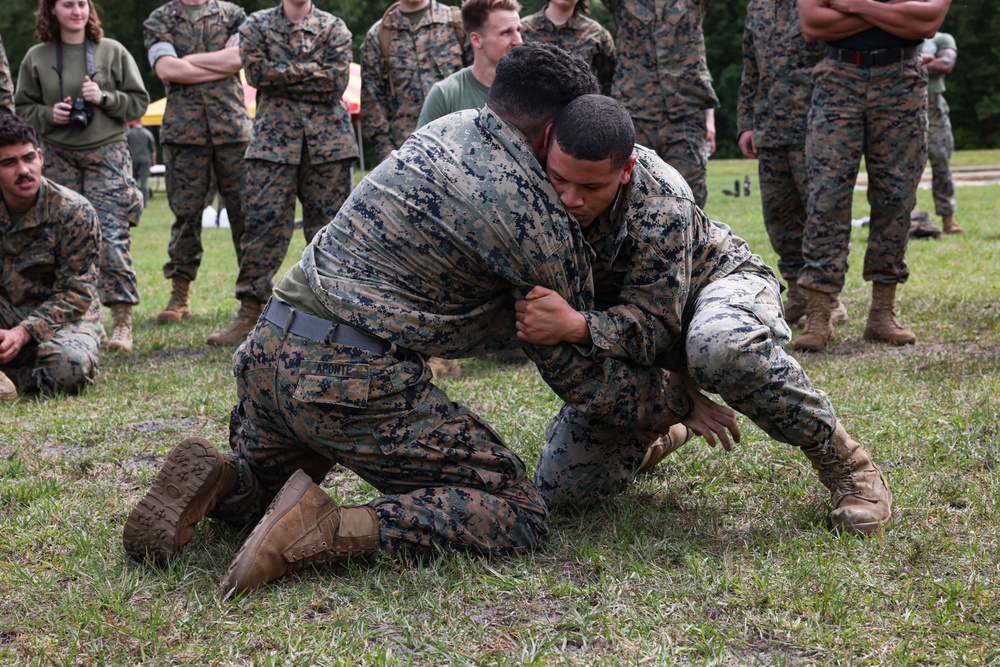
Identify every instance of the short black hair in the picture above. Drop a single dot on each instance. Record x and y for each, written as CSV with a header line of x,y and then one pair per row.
x,y
533,83
15,131
593,128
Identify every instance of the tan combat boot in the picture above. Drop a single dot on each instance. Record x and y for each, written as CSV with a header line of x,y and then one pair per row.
x,y
8,391
444,368
676,436
838,311
861,499
242,324
882,324
303,527
121,337
950,226
193,479
179,306
795,305
818,329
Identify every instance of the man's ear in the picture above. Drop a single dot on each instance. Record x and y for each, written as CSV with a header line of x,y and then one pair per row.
x,y
626,175
475,40
542,151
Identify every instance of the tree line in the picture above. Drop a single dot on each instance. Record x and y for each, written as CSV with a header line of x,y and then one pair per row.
x,y
972,93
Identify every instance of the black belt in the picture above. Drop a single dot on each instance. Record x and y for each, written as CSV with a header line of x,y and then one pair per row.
x,y
316,328
875,58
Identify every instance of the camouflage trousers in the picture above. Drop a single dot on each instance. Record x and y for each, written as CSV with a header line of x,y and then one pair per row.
x,y
446,478
680,143
783,196
940,145
104,176
189,177
65,363
879,113
734,347
270,214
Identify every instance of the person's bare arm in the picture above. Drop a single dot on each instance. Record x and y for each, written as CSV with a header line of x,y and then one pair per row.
x,y
911,19
942,63
171,69
223,62
820,22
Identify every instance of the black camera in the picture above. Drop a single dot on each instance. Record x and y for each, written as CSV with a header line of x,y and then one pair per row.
x,y
79,115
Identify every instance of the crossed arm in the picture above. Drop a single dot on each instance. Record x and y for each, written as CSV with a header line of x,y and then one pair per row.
x,y
200,67
829,20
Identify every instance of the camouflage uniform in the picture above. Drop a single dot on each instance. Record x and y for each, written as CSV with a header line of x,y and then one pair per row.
x,y
428,254
419,56
879,112
6,83
302,143
662,78
691,298
48,261
940,142
205,129
580,35
774,95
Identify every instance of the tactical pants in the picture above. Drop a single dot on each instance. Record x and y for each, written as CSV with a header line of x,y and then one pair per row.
x,y
783,194
680,143
140,172
734,346
189,177
270,214
104,176
879,113
65,363
446,478
940,145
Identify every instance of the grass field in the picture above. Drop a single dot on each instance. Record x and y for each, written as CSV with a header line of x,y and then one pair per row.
x,y
714,559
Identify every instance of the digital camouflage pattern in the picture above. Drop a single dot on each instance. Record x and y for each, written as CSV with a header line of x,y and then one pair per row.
x,y
881,113
205,113
6,82
49,286
691,297
188,179
302,143
104,176
445,477
774,95
580,35
940,146
420,55
662,78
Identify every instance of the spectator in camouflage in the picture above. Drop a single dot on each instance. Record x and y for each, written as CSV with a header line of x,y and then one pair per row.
x,y
684,293
939,54
772,109
425,258
6,82
424,43
567,24
662,78
298,57
49,312
870,99
192,45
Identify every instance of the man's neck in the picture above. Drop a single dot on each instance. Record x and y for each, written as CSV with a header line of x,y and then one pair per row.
x,y
483,71
17,210
296,10
193,2
412,5
557,15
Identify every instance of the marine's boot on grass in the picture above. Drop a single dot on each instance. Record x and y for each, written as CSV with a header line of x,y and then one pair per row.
x,y
242,324
882,325
179,306
795,304
818,328
950,226
8,391
302,528
193,479
121,337
838,312
861,499
676,436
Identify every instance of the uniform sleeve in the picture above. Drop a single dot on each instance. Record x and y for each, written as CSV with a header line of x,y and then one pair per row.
x,y
75,285
155,31
604,62
374,98
6,83
749,84
129,99
28,98
435,106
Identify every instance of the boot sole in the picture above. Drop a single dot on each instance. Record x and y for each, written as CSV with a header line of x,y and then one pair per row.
x,y
288,497
867,528
178,499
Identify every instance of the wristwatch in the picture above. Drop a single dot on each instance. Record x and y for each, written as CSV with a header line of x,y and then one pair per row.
x,y
104,99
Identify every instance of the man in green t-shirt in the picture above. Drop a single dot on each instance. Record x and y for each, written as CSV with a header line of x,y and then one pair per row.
x,y
494,28
940,53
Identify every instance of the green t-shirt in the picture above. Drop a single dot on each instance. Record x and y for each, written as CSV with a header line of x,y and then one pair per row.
x,y
939,42
459,91
416,17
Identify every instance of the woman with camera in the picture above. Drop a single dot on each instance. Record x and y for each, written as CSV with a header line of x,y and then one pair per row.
x,y
78,89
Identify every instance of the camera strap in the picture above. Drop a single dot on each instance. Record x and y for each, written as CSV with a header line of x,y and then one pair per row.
x,y
88,50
